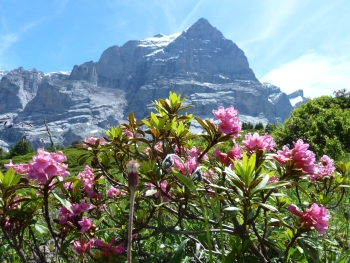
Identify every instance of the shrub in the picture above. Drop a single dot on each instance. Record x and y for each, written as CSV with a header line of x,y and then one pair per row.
x,y
21,148
150,188
324,123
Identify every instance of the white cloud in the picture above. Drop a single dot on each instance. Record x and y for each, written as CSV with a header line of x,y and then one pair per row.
x,y
6,41
316,74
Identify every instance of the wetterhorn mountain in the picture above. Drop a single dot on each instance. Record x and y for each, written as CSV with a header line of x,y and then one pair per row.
x,y
200,63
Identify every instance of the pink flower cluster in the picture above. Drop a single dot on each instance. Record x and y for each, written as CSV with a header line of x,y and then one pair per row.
x,y
302,157
191,163
83,247
87,177
109,248
92,140
227,159
164,192
113,192
128,133
229,122
158,147
256,142
85,224
324,168
316,216
43,166
66,215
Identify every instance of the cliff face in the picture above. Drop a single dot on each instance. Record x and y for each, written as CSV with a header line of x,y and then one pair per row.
x,y
200,63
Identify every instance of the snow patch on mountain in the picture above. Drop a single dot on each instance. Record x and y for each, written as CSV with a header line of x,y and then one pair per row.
x,y
295,100
158,41
3,73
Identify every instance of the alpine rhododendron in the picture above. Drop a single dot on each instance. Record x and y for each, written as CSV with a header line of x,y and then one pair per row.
x,y
316,216
302,157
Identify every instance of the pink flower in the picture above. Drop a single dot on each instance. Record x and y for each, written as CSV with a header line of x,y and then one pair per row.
x,y
227,159
128,133
257,142
43,166
87,176
273,179
220,113
92,140
191,163
324,168
229,122
159,147
68,186
83,247
77,209
316,216
18,168
110,248
85,224
223,113
302,157
164,192
113,192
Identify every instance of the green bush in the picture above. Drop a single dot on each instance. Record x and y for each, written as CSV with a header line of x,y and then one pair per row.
x,y
322,122
21,148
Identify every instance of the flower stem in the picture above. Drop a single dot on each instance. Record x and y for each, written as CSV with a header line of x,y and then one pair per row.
x,y
131,216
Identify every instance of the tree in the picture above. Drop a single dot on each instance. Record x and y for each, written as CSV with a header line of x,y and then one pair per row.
x,y
323,123
259,126
247,126
21,148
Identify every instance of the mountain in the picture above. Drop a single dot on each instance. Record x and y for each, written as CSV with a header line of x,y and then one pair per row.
x,y
199,63
297,97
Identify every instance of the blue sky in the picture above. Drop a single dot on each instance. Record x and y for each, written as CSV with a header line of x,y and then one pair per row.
x,y
294,44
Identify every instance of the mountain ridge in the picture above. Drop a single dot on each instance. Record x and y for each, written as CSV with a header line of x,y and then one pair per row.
x,y
199,63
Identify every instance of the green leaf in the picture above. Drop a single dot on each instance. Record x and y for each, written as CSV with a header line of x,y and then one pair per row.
x,y
177,258
62,199
10,178
310,253
214,206
154,119
231,208
41,229
269,207
185,180
262,183
1,177
344,257
274,185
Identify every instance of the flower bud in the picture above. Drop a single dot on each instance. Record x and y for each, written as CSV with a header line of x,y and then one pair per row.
x,y
168,161
197,175
133,174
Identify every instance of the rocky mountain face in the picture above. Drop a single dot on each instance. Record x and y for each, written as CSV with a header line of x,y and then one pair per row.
x,y
297,97
200,64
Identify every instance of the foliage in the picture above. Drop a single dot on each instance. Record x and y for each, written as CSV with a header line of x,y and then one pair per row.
x,y
21,148
324,123
259,126
247,126
193,200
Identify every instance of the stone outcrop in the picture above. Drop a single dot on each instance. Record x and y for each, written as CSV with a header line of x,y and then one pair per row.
x,y
199,63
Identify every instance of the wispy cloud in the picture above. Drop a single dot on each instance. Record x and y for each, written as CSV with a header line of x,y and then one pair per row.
x,y
272,17
189,16
7,40
314,73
